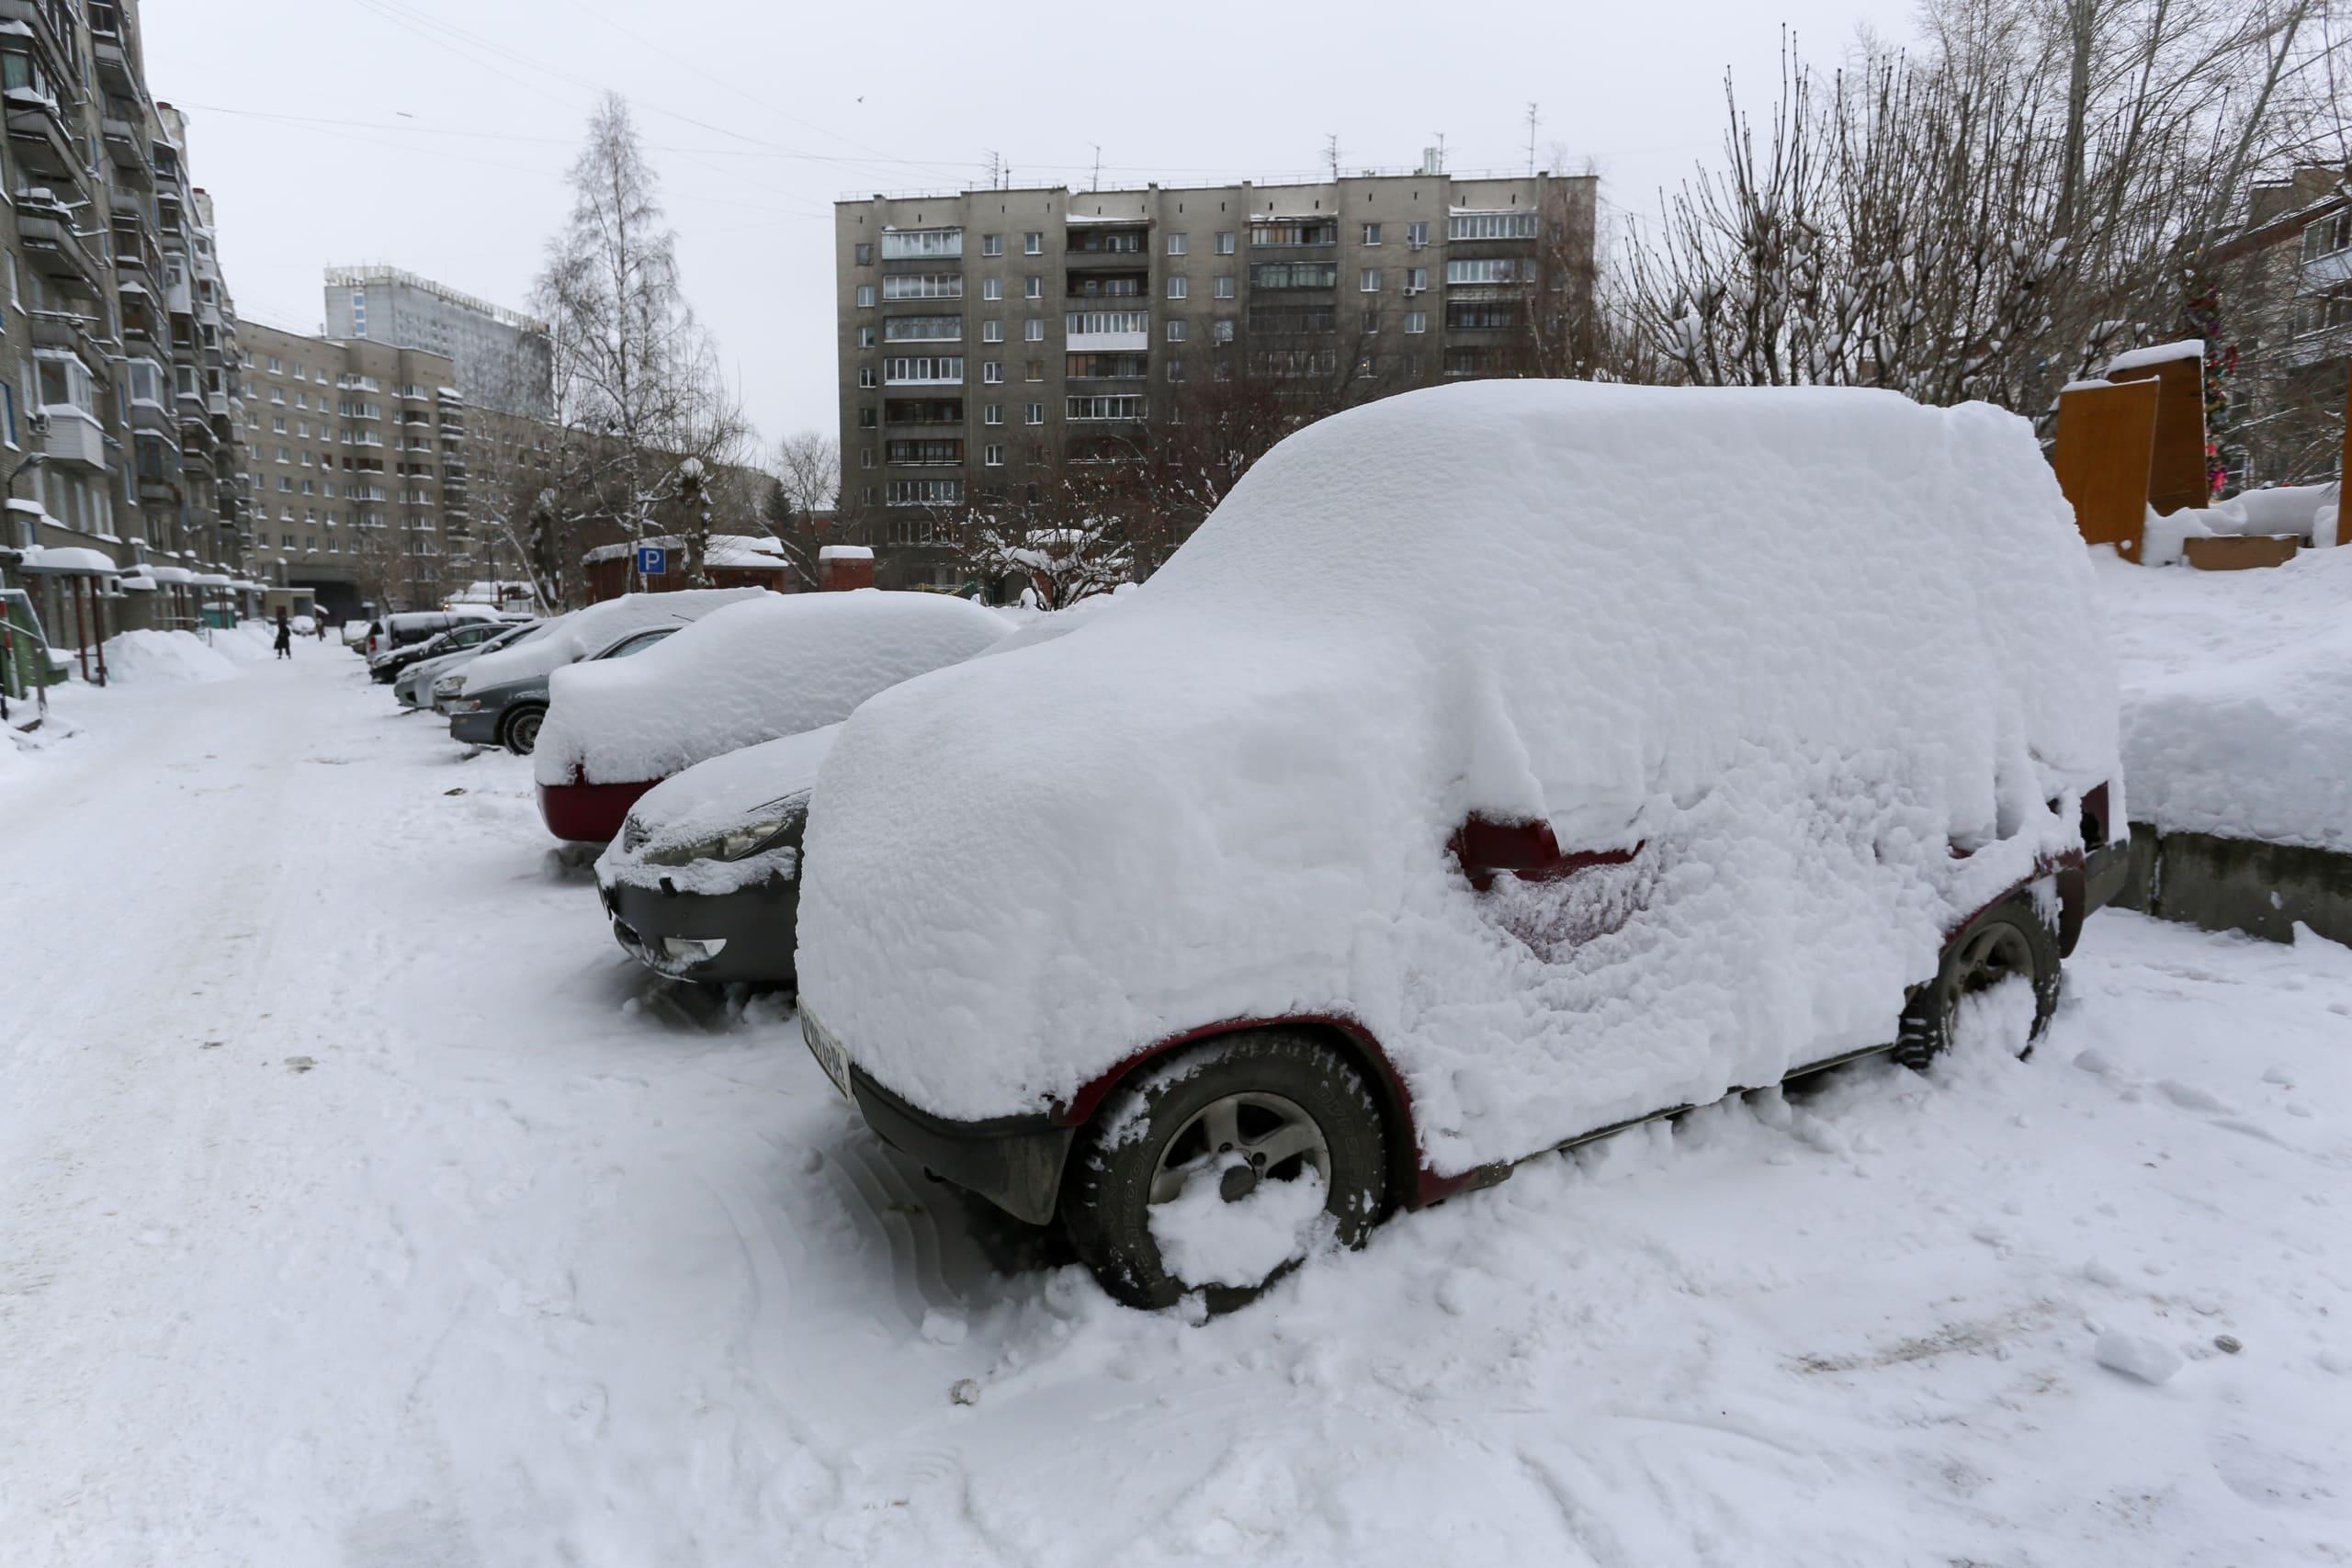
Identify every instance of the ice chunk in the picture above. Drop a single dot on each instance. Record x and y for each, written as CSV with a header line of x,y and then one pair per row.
x,y
2137,1356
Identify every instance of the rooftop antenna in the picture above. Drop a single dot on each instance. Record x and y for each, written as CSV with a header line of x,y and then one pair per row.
x,y
996,170
1532,122
1439,168
1098,165
1331,153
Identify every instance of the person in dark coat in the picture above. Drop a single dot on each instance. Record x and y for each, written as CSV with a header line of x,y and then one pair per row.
x,y
319,622
284,634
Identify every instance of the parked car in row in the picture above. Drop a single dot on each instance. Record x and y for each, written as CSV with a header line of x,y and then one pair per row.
x,y
386,667
502,696
1498,766
413,685
403,627
698,758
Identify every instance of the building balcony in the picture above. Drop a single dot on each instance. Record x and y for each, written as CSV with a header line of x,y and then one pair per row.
x,y
68,331
54,249
36,130
1104,261
148,418
1110,343
75,437
127,149
110,53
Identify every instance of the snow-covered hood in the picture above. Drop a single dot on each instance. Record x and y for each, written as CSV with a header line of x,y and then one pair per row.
x,y
711,798
1682,619
585,633
772,666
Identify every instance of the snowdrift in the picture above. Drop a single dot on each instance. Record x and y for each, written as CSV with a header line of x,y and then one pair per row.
x,y
772,666
2237,698
154,658
585,633
1798,645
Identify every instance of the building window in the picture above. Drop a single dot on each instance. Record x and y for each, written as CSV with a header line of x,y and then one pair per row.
x,y
991,332
1417,278
1034,371
866,375
991,245
922,328
1033,244
864,252
866,457
1175,369
1221,330
1176,243
1294,274
992,455
1033,331
1032,413
925,492
923,286
1178,287
1176,329
1300,231
923,368
1221,285
1032,287
8,408
992,413
1103,406
1372,233
1225,244
1416,322
865,419
1091,324
1491,226
924,244
865,337
865,296
992,372
1368,280
1417,236
1371,320
1489,269
991,288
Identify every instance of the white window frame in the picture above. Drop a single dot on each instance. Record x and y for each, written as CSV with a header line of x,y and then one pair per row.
x,y
1177,243
1179,287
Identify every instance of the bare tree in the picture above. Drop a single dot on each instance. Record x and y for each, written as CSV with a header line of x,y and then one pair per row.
x,y
638,390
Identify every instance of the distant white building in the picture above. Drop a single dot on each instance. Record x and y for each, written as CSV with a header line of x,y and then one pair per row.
x,y
505,360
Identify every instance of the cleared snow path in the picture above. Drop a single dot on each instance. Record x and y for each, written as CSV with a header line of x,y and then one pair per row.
x,y
361,1205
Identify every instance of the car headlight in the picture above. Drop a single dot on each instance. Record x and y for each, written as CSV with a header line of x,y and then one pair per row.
x,y
761,832
633,835
465,704
447,686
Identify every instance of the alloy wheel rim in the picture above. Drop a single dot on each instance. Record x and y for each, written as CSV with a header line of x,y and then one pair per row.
x,y
1273,1135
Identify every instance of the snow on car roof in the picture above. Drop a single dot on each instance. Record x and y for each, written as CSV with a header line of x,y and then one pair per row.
x,y
774,665
1679,619
597,627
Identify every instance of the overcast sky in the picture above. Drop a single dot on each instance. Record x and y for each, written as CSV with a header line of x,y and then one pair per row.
x,y
435,134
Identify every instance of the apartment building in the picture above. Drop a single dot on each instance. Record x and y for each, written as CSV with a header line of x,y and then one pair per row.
x,y
119,397
2286,307
359,458
505,360
984,334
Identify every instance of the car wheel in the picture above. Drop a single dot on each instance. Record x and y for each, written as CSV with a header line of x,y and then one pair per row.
x,y
1218,1169
522,729
2011,945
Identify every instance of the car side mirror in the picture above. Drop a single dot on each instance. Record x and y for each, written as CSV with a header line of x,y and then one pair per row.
x,y
1488,847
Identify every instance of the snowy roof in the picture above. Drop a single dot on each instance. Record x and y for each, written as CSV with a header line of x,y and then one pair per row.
x,y
136,582
843,552
1136,221
2158,354
2092,384
69,558
585,633
740,551
170,574
211,580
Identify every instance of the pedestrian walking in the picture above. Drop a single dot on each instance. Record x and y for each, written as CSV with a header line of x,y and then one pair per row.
x,y
284,634
319,620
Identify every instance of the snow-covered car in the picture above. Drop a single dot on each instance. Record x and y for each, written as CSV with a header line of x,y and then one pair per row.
x,y
385,633
1500,765
504,695
413,686
745,674
354,632
385,668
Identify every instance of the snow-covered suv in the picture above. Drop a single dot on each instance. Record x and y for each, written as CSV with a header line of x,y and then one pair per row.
x,y
1500,765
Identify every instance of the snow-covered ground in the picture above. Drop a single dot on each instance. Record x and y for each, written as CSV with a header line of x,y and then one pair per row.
x,y
361,1204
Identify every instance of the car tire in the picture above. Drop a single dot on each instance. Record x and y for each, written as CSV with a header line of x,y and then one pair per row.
x,y
1263,1087
2010,940
519,732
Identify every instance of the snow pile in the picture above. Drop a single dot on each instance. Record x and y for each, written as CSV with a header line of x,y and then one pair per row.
x,y
2137,1356
2158,354
144,658
1795,645
774,665
246,641
2308,511
2238,697
583,634
1204,1240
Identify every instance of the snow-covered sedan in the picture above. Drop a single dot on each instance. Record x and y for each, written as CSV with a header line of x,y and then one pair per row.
x,y
1500,765
503,696
413,685
746,673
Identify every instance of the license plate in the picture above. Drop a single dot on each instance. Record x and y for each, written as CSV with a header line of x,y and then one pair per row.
x,y
828,1051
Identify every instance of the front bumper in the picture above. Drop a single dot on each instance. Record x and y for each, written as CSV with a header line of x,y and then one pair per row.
x,y
476,729
758,924
1014,1162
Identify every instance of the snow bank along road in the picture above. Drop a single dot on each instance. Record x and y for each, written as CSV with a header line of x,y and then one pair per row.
x,y
361,1205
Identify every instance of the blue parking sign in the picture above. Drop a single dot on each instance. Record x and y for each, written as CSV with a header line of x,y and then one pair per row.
x,y
652,560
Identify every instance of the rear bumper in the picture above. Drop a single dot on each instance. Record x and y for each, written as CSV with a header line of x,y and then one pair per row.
x,y
1014,1162
758,925
589,813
